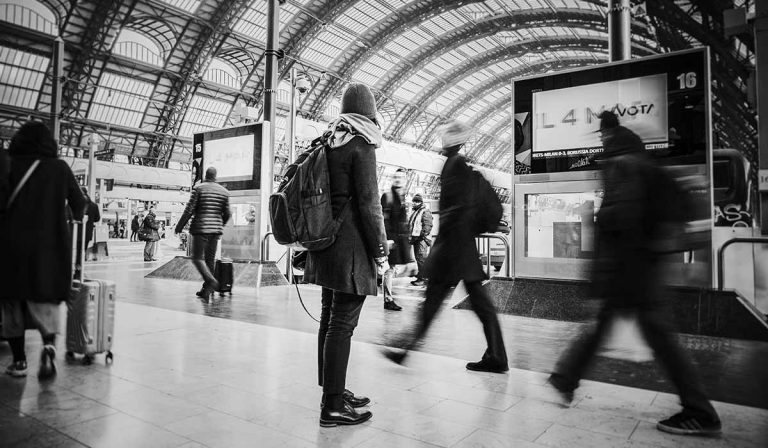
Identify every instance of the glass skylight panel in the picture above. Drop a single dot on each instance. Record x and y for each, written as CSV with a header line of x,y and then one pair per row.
x,y
120,100
253,22
442,23
203,114
409,40
327,46
186,5
21,77
34,16
363,15
139,47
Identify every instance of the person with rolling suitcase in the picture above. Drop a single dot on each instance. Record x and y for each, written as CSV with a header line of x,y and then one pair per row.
x,y
90,309
35,237
208,207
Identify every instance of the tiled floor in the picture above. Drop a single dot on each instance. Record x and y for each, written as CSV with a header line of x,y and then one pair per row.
x,y
185,379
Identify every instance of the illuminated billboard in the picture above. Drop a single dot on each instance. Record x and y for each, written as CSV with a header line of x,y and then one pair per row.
x,y
661,98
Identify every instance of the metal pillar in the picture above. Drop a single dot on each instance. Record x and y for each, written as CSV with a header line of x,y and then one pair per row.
x,y
761,80
619,38
270,97
93,146
291,154
58,77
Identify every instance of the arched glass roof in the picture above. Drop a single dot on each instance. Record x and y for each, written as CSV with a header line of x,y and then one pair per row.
x,y
164,69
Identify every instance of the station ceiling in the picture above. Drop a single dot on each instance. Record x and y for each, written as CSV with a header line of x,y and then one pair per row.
x,y
147,74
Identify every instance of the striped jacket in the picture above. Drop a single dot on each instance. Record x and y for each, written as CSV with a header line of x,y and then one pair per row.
x,y
208,207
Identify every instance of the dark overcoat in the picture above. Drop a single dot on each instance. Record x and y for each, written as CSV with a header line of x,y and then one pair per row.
x,y
348,264
454,255
625,271
396,226
36,236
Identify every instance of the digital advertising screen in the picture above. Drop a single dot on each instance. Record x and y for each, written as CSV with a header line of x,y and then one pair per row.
x,y
234,152
661,99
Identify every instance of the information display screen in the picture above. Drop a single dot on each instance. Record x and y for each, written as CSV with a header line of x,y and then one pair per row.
x,y
232,157
234,152
661,99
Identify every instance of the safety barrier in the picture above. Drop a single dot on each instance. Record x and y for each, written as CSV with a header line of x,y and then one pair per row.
x,y
483,242
265,247
721,255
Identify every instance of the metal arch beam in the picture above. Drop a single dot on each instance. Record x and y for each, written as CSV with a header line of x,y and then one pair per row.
x,y
92,26
432,91
381,34
471,31
318,16
416,12
483,89
191,57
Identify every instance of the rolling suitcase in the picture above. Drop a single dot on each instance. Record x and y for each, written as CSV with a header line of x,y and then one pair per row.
x,y
90,314
224,273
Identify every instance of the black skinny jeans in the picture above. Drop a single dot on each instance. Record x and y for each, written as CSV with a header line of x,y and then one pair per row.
x,y
657,332
204,247
496,353
338,319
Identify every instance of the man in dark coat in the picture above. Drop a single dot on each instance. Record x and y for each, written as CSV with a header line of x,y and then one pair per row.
x,y
347,269
37,243
152,236
420,226
396,226
208,206
454,257
135,228
630,221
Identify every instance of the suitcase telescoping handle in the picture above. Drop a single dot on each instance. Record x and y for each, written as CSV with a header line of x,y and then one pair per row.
x,y
81,247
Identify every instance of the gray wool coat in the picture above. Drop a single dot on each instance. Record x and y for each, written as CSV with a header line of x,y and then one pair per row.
x,y
348,264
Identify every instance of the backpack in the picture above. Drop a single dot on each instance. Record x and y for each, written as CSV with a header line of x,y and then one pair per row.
x,y
486,207
300,211
682,213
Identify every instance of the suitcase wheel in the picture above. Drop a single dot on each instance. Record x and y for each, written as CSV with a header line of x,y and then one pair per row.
x,y
110,358
87,360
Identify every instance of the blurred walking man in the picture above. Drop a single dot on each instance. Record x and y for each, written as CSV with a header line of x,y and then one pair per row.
x,y
396,223
454,257
208,207
626,277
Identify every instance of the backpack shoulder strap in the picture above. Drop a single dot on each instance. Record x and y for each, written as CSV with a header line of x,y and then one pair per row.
x,y
23,181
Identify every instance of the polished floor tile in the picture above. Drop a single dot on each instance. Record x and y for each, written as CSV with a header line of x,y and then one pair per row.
x,y
194,377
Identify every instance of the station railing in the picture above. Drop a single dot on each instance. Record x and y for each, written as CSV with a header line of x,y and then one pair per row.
x,y
721,255
483,242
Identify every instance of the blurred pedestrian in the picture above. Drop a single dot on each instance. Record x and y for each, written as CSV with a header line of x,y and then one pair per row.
x,y
208,207
634,212
454,257
396,225
347,269
37,244
420,226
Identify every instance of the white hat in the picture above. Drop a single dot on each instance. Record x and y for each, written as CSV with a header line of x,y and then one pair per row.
x,y
454,133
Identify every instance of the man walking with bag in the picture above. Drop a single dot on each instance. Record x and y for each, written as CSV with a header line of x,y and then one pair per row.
x,y
208,207
630,223
454,256
420,225
149,233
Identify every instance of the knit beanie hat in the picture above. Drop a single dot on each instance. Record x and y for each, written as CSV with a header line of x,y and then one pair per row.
x,y
358,99
417,198
455,133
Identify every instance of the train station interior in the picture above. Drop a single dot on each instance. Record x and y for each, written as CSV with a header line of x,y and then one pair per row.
x,y
143,97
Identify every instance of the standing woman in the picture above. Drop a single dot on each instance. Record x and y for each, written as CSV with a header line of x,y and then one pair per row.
x,y
37,238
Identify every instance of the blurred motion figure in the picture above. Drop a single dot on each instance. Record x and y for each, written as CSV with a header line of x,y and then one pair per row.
x,y
632,219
